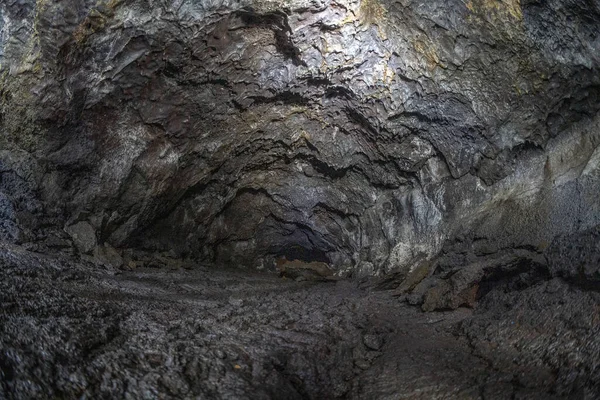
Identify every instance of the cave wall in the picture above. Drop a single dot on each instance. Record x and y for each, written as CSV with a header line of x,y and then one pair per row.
x,y
376,135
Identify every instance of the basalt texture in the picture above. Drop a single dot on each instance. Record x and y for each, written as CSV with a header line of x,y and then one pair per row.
x,y
70,331
444,154
374,135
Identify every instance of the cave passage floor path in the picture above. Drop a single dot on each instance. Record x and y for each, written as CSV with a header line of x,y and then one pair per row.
x,y
212,333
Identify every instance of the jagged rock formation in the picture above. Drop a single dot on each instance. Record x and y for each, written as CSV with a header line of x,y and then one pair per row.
x,y
70,330
362,133
446,151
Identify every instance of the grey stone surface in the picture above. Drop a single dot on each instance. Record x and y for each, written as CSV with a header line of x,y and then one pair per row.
x,y
83,236
443,152
362,132
576,258
535,329
70,329
108,256
9,230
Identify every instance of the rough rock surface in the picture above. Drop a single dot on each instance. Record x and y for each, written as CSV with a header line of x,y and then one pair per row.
x,y
367,134
83,236
219,333
443,152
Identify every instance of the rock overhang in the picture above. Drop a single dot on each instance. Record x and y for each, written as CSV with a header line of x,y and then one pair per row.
x,y
366,132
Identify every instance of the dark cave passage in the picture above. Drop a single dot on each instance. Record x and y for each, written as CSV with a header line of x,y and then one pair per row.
x,y
331,199
297,252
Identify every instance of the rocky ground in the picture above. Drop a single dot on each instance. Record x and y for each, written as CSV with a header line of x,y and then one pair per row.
x,y
72,330
436,154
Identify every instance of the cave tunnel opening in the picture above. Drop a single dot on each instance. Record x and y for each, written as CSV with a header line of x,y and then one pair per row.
x,y
301,253
159,164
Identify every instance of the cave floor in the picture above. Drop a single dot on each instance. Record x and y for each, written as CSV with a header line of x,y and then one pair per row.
x,y
211,333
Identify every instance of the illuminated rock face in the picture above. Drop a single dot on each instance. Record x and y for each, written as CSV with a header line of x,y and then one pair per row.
x,y
447,150
378,136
